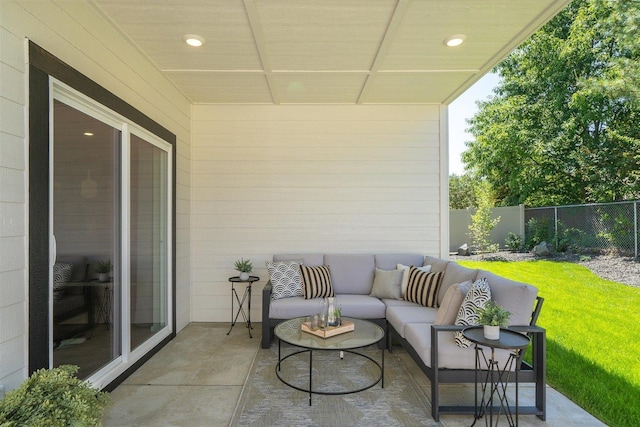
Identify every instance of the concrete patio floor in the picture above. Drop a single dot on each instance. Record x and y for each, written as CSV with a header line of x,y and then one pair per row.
x,y
196,380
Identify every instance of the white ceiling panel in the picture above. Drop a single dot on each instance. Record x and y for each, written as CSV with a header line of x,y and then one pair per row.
x,y
224,88
319,88
413,88
324,35
323,51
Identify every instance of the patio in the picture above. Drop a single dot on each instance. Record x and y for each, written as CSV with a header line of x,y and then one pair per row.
x,y
196,381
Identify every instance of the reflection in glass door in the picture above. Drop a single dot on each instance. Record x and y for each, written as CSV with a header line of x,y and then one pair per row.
x,y
149,243
111,219
86,227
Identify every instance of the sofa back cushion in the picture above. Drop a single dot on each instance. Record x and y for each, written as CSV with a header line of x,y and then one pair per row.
x,y
313,260
437,264
351,274
515,297
455,273
390,261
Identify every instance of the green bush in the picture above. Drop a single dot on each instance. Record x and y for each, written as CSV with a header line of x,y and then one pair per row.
x,y
53,398
538,231
513,242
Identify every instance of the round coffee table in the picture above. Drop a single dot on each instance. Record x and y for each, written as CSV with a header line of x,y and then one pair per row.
x,y
365,334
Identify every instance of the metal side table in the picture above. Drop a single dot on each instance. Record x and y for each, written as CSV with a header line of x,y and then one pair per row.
x,y
496,378
245,297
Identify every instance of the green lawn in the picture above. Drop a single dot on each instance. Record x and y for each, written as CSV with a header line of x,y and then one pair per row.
x,y
593,335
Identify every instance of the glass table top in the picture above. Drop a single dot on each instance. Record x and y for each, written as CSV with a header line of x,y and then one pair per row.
x,y
365,333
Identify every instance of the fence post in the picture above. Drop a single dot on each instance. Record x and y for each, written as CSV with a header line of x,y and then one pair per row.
x,y
555,220
635,225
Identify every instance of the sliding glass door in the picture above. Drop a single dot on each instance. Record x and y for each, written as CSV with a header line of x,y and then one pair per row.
x,y
111,242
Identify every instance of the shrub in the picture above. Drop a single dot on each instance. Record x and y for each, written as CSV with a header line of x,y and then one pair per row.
x,y
513,242
53,398
538,231
482,223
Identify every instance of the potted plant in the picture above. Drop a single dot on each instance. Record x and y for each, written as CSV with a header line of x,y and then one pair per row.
x,y
103,268
53,397
492,317
244,267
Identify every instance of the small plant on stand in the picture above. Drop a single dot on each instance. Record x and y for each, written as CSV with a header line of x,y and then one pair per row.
x,y
103,268
244,267
493,317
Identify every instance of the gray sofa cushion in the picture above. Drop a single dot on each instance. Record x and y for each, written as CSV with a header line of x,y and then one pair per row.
x,y
399,316
288,308
351,274
361,306
516,297
437,264
312,260
455,273
389,262
449,354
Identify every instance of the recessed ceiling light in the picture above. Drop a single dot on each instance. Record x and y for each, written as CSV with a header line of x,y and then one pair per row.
x,y
88,134
455,40
193,40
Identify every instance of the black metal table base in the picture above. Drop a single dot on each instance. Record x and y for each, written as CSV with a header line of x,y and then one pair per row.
x,y
310,390
246,297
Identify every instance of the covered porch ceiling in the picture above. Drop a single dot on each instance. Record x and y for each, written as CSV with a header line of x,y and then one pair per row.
x,y
326,51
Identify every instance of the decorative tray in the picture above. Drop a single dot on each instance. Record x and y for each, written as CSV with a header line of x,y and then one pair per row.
x,y
345,326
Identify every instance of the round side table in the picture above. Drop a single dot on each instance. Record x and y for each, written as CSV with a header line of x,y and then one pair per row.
x,y
496,379
245,297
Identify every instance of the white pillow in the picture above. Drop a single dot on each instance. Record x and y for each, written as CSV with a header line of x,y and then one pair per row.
x,y
405,275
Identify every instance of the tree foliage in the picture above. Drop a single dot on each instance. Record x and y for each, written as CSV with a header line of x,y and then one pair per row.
x,y
462,191
562,126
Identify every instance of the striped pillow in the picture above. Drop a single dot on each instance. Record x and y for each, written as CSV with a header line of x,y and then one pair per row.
x,y
423,287
316,281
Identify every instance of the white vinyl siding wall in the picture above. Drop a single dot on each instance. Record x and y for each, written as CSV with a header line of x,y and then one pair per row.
x,y
13,211
308,179
78,34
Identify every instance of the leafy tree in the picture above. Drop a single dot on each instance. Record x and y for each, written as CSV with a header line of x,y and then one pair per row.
x,y
562,126
462,191
481,222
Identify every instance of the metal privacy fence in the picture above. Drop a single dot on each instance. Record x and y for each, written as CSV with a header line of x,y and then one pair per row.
x,y
611,227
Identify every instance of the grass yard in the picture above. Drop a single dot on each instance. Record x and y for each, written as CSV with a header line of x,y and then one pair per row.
x,y
593,335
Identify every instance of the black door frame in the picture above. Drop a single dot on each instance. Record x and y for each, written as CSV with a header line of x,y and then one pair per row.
x,y
42,65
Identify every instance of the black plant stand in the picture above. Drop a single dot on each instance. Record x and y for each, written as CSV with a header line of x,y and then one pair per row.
x,y
245,297
496,378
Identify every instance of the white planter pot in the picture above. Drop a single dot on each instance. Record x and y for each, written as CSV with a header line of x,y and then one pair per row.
x,y
492,332
103,277
244,276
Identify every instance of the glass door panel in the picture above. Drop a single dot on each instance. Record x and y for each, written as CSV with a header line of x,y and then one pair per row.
x,y
149,240
86,227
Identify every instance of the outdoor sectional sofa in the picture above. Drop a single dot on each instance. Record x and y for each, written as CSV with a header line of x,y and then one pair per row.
x,y
412,325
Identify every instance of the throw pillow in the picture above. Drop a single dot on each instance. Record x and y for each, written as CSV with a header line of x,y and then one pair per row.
x,y
423,287
476,298
405,275
451,303
285,279
316,282
386,284
61,275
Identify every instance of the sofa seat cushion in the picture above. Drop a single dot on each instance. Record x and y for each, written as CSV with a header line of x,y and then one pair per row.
x,y
450,356
400,316
359,306
351,274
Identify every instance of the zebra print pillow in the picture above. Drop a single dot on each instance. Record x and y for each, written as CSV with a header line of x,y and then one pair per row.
x,y
61,275
477,297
